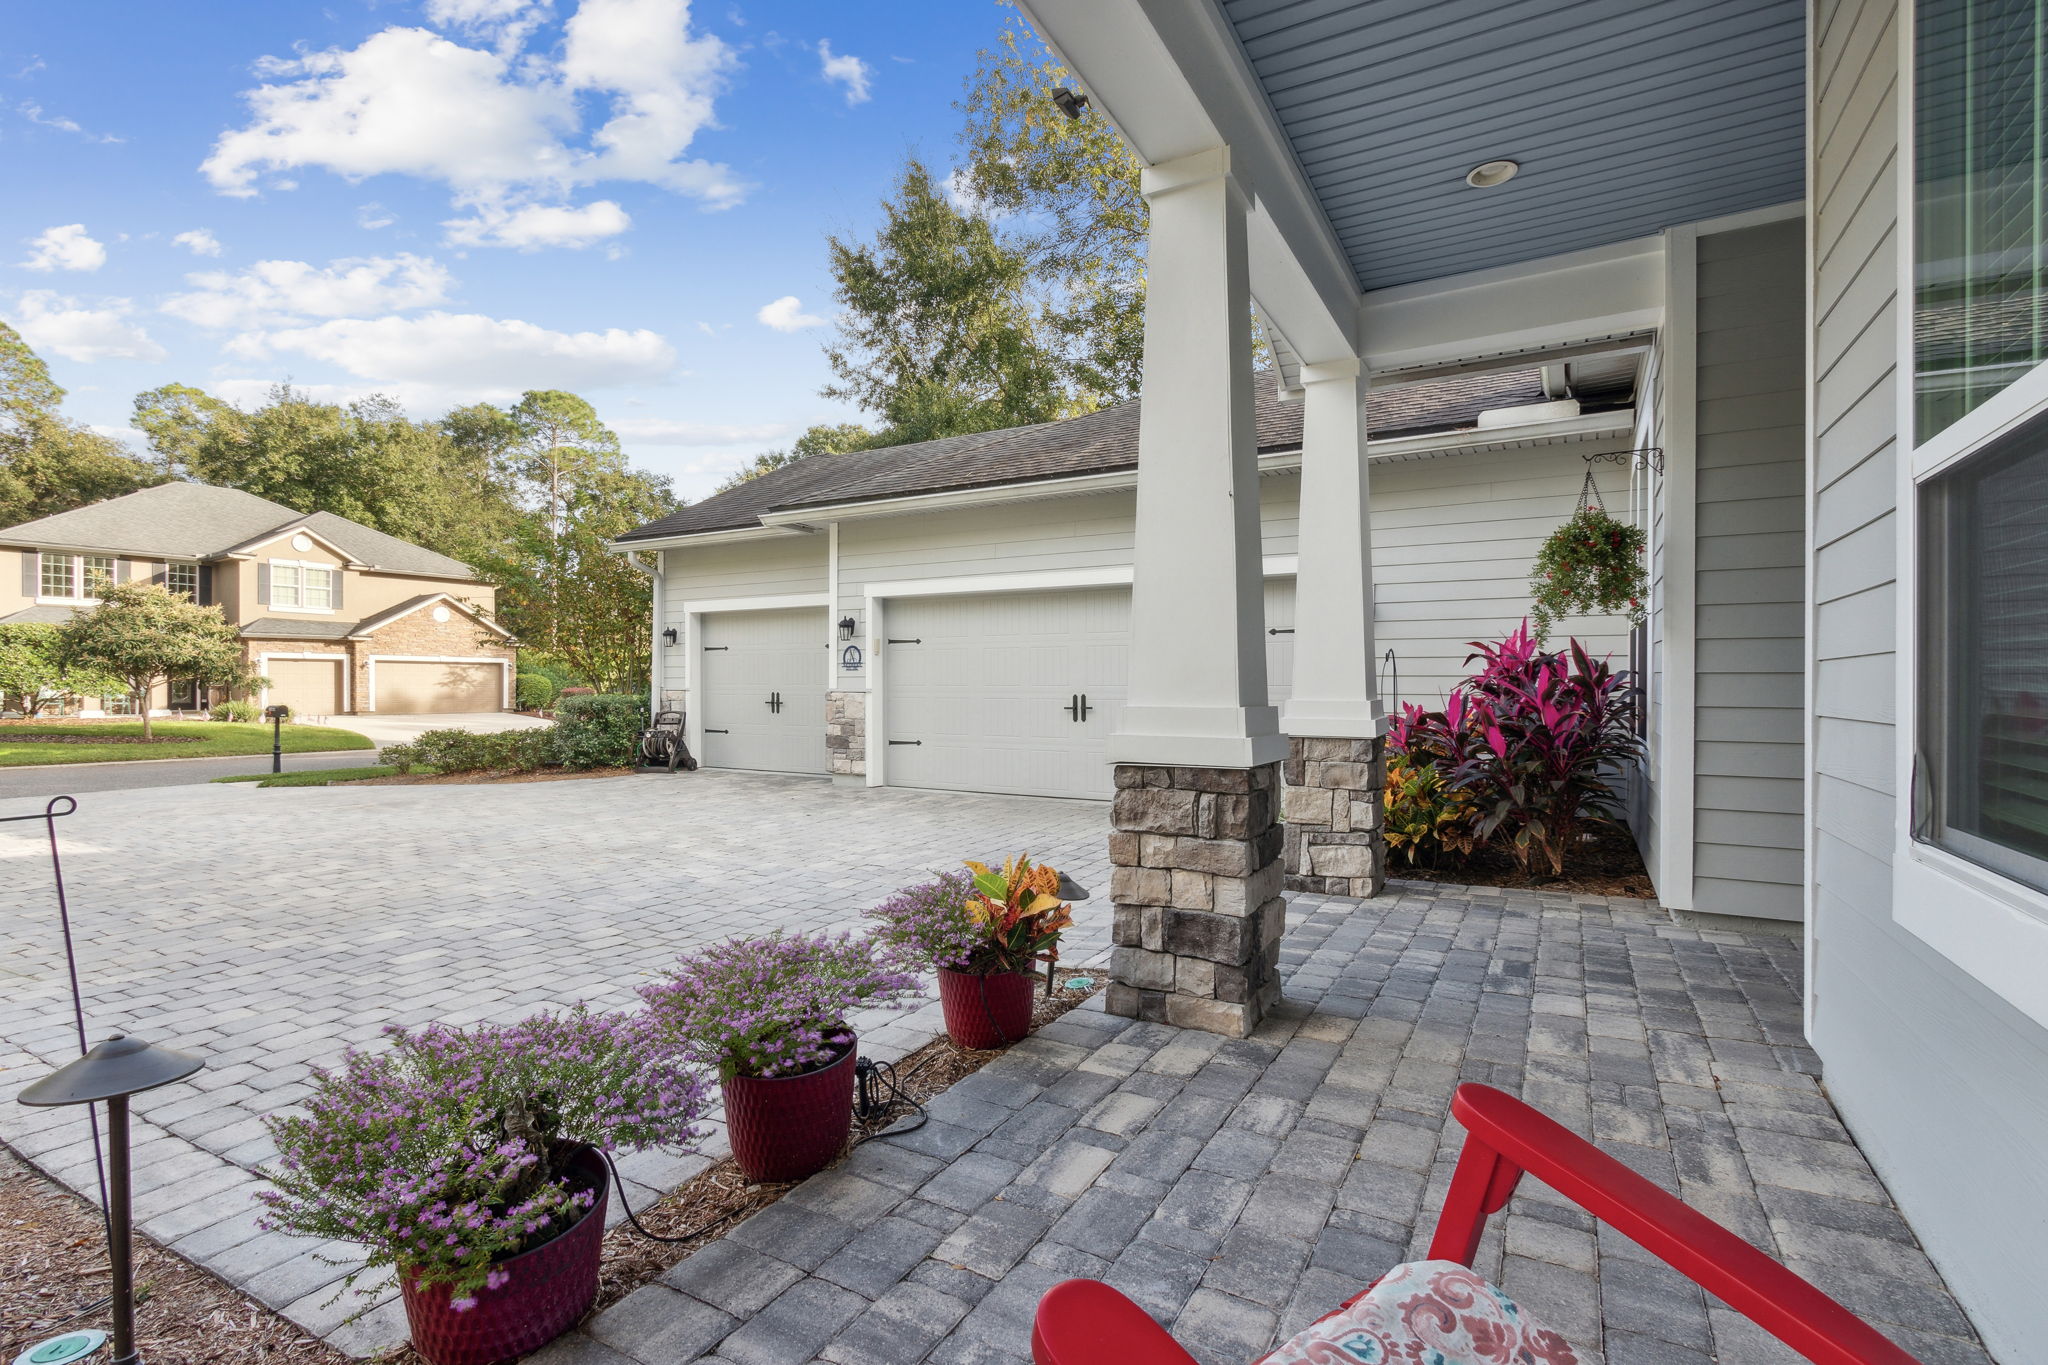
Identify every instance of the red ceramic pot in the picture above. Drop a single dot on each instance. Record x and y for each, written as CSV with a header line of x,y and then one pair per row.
x,y
788,1127
552,1286
986,1011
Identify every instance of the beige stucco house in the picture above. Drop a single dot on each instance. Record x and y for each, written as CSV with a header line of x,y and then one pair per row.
x,y
339,617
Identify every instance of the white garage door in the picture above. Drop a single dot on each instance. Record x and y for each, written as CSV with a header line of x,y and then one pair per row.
x,y
761,689
411,687
311,687
1007,692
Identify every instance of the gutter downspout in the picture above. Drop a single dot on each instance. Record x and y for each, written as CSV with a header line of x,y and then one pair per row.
x,y
654,654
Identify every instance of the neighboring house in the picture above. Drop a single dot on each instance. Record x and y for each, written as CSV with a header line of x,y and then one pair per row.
x,y
986,578
339,617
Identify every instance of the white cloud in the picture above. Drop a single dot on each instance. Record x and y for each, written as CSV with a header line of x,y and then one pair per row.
x,y
132,437
200,241
662,431
33,112
65,248
505,130
539,225
506,22
847,70
270,293
50,322
470,352
373,215
786,315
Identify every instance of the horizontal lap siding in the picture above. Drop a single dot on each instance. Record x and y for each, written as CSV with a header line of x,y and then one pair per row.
x,y
1945,1087
1750,556
783,567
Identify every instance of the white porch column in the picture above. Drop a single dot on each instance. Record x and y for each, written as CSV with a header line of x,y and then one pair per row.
x,y
1333,719
1197,843
1198,662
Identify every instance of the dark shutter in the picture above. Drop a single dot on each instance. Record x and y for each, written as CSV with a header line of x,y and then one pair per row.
x,y
124,569
263,584
334,577
31,573
160,574
205,585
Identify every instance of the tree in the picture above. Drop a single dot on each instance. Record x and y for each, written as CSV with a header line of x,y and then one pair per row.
x,y
1069,189
559,437
48,464
33,673
145,635
936,336
834,438
26,389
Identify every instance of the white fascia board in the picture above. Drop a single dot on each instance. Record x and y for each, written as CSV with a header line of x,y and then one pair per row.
x,y
1170,75
688,538
1606,291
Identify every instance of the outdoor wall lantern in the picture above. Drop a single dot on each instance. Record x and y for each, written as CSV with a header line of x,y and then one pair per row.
x,y
846,627
113,1071
669,635
1070,104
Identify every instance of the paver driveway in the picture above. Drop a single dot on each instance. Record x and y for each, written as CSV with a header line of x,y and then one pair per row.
x,y
269,930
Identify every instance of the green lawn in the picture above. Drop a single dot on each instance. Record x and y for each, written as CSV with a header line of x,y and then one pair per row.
x,y
316,777
29,742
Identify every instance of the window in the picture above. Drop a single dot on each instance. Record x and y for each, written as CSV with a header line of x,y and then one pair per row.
x,y
182,578
75,577
1980,203
307,587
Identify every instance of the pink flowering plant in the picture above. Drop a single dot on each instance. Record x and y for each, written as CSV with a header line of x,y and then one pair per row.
x,y
932,925
446,1153
775,1006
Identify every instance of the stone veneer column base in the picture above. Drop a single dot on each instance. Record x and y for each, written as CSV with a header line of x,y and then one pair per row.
x,y
846,732
1197,892
1336,839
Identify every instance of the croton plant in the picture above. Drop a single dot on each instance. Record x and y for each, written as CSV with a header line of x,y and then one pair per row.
x,y
980,921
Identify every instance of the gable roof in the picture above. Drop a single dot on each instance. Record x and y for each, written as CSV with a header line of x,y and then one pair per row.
x,y
201,521
371,624
1096,443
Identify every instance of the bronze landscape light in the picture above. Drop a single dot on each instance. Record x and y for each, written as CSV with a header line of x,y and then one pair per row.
x,y
111,1072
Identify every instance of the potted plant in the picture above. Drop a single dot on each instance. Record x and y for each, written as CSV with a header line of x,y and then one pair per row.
x,y
982,934
769,1014
469,1161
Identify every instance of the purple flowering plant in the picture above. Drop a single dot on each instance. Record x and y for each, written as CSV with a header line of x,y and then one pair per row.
x,y
443,1154
932,925
774,1006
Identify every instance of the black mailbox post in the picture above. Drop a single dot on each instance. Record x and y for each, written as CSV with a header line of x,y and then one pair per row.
x,y
276,716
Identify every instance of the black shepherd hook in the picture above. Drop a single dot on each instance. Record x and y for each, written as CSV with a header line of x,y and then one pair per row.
x,y
58,806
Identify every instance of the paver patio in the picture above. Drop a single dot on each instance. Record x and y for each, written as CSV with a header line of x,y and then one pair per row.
x,y
1239,1189
269,930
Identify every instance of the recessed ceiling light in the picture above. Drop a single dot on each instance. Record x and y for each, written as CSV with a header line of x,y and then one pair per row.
x,y
1487,174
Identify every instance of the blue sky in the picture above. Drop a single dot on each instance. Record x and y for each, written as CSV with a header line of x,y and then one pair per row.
x,y
449,200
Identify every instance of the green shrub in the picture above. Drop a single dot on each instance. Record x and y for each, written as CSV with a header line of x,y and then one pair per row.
x,y
601,730
244,711
535,690
532,750
404,757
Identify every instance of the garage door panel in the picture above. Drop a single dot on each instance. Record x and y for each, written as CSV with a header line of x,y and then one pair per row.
x,y
311,687
980,691
748,659
439,687
1279,640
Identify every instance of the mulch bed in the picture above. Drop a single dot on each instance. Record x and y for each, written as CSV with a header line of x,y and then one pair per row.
x,y
1608,866
53,1244
53,1261
481,779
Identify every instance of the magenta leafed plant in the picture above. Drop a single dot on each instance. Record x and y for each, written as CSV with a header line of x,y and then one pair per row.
x,y
438,1154
774,1006
1539,742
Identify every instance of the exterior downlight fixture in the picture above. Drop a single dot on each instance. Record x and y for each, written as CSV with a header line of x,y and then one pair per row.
x,y
1071,104
1487,174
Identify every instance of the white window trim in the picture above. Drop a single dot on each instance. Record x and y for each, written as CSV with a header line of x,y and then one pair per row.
x,y
302,565
347,675
191,564
370,673
1990,926
78,558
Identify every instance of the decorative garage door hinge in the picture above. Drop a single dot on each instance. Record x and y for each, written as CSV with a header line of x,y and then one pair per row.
x,y
906,741
918,641
713,649
718,732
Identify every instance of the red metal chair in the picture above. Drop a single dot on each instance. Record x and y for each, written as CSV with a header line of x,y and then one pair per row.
x,y
1085,1322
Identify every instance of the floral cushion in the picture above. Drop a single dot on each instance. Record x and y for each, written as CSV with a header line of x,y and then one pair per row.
x,y
1426,1313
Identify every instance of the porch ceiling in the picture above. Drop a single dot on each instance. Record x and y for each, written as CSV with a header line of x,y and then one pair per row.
x,y
1627,117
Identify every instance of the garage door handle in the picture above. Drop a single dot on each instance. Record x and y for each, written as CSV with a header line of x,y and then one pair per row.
x,y
775,702
907,741
1281,630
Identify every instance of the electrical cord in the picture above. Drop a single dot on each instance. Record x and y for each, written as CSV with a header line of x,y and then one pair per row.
x,y
619,1185
876,1091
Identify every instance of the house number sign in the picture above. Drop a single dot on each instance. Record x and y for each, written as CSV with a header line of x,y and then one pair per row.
x,y
849,659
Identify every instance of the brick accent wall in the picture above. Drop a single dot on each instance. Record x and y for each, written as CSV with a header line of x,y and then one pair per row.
x,y
1336,840
1196,883
846,732
419,634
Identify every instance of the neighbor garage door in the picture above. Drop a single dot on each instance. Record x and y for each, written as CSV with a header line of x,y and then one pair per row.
x,y
408,687
311,687
761,690
1006,692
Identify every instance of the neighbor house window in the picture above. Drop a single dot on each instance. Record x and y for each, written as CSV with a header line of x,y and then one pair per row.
x,y
183,578
309,587
75,577
1980,275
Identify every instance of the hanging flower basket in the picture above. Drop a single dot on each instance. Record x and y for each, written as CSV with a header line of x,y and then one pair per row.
x,y
1591,565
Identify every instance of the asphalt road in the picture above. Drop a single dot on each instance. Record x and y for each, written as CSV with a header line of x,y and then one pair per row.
x,y
77,778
